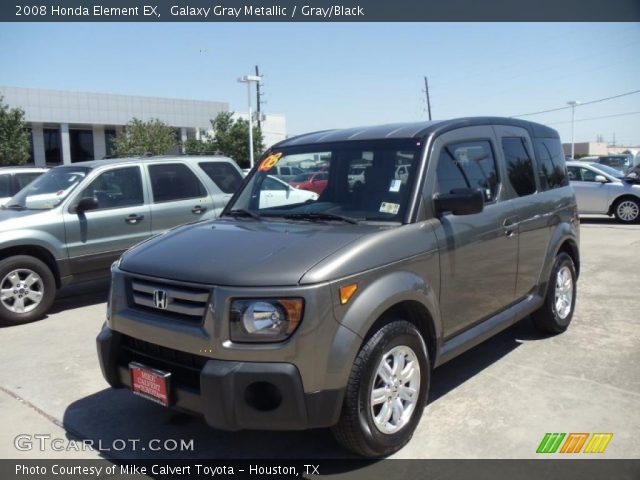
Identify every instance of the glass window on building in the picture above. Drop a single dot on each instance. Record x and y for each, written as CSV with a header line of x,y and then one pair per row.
x,y
31,156
109,138
52,146
81,143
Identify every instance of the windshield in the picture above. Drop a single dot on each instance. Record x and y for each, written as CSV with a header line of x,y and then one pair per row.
x,y
608,170
49,190
380,194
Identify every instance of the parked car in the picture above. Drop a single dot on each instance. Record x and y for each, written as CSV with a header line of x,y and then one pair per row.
x,y
355,178
287,173
70,224
622,162
314,182
276,192
604,190
14,179
333,312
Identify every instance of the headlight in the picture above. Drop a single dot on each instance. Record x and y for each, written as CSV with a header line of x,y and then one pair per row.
x,y
265,320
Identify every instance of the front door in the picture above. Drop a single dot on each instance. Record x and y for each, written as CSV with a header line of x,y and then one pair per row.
x,y
478,253
97,237
592,196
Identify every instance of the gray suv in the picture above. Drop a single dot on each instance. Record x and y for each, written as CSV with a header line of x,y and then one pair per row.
x,y
333,311
71,223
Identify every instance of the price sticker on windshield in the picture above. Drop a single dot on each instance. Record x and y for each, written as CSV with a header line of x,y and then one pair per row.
x,y
269,162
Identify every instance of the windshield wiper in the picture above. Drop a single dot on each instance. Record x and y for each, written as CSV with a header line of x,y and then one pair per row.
x,y
320,216
241,212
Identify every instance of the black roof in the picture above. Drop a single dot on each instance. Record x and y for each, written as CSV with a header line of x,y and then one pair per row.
x,y
417,130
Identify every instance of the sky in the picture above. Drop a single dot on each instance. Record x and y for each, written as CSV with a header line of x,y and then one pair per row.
x,y
333,75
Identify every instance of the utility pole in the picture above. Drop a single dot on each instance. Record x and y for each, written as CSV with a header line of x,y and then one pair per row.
x,y
258,100
426,90
572,104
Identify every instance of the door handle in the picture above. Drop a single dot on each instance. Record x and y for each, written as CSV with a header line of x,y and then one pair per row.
x,y
198,209
133,219
510,226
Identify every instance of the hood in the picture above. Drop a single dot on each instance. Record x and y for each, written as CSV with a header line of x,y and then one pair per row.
x,y
240,252
14,219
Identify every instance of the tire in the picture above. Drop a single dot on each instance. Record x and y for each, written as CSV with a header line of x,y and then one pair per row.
x,y
27,289
357,430
627,210
555,315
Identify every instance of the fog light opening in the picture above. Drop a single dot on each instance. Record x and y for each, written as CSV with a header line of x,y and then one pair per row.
x,y
263,396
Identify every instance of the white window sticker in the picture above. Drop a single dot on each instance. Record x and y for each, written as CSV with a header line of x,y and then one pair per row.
x,y
392,208
395,185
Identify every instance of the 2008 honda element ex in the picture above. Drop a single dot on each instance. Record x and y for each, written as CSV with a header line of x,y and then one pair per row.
x,y
332,311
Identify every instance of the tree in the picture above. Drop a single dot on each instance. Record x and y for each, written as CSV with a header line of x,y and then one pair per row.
x,y
145,138
231,137
14,139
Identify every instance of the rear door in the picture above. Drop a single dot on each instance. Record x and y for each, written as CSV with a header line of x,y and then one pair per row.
x,y
97,237
226,177
478,253
178,196
532,209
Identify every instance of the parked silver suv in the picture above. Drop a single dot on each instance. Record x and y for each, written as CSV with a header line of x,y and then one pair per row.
x,y
332,311
71,223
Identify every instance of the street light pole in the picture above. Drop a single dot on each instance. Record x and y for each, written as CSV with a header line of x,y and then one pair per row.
x,y
573,104
248,79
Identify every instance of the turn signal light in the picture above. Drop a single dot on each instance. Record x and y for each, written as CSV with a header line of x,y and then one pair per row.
x,y
346,292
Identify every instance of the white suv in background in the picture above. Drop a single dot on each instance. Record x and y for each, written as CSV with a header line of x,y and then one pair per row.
x,y
14,179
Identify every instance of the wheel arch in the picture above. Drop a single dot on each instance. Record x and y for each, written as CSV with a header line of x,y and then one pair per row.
x,y
35,251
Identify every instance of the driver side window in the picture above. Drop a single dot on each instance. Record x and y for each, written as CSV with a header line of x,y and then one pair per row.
x,y
468,165
117,188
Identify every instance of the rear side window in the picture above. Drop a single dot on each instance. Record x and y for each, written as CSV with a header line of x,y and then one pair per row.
x,y
174,181
519,166
5,185
24,179
552,169
223,175
468,165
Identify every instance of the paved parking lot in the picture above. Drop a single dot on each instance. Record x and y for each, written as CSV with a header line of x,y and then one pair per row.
x,y
495,401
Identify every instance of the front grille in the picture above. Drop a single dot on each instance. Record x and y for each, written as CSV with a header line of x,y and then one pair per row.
x,y
184,367
174,301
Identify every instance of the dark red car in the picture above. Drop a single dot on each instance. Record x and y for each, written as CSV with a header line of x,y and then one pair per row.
x,y
315,181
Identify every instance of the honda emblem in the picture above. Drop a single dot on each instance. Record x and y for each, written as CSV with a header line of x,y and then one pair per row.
x,y
160,299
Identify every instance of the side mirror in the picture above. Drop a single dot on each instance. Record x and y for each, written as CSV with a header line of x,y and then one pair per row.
x,y
461,201
86,204
601,179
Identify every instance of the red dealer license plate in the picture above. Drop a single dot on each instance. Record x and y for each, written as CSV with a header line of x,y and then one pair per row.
x,y
150,383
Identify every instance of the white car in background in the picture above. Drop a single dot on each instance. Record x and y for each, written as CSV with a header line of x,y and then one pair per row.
x,y
14,179
276,193
604,190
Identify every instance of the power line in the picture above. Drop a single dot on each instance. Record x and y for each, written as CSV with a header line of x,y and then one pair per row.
x,y
581,104
597,118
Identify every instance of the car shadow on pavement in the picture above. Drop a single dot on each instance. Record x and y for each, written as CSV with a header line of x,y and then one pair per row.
x,y
81,295
123,426
600,220
115,420
460,369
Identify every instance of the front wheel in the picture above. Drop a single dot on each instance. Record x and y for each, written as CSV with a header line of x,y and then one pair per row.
x,y
27,289
555,315
386,393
